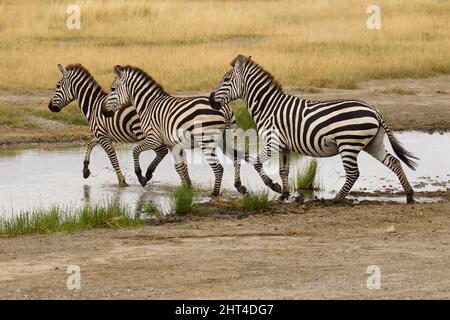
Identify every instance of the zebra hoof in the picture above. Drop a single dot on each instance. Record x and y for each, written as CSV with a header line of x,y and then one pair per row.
x,y
149,175
123,184
214,194
240,188
275,187
142,181
299,199
284,196
86,173
410,199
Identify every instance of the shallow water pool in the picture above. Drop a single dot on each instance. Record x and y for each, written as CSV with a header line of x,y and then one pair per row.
x,y
40,177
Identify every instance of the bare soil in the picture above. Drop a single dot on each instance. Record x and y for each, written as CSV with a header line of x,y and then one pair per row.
x,y
290,252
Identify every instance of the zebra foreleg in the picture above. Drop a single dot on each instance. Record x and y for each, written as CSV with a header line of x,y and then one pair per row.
x,y
87,157
260,159
147,144
349,160
107,146
160,154
237,177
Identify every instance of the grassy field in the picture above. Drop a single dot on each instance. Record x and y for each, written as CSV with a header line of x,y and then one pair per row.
x,y
187,45
22,117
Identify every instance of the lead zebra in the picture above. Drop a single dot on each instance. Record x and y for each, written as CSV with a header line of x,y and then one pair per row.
x,y
313,128
177,123
78,84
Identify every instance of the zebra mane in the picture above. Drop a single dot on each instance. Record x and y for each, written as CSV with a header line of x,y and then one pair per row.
x,y
82,69
145,75
272,79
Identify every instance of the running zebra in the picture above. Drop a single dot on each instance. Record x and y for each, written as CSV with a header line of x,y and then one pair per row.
x,y
178,123
78,84
312,128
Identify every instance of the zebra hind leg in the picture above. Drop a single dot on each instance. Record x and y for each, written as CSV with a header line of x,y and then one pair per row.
x,y
209,150
377,150
179,156
90,145
284,174
160,154
107,146
349,159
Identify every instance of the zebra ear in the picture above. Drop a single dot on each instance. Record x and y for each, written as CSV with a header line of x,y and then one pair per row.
x,y
238,61
62,69
118,70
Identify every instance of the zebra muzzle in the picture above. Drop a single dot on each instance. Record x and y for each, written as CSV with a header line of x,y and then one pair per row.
x,y
108,113
53,108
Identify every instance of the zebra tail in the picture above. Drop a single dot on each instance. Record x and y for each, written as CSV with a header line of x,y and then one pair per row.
x,y
403,154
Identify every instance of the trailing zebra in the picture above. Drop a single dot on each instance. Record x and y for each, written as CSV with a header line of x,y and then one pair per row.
x,y
178,123
313,128
78,84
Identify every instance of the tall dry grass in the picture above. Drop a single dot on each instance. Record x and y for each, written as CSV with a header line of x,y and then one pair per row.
x,y
187,45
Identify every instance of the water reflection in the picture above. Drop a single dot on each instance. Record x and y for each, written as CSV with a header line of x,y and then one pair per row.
x,y
42,177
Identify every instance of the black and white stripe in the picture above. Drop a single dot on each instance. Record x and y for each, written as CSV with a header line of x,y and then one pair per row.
x,y
313,128
78,84
177,123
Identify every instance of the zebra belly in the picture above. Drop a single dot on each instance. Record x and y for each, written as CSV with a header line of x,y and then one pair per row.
x,y
327,148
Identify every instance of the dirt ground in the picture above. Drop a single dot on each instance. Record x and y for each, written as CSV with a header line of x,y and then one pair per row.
x,y
309,251
423,104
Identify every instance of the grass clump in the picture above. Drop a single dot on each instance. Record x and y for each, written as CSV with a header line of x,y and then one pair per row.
x,y
256,200
150,209
306,177
182,200
56,219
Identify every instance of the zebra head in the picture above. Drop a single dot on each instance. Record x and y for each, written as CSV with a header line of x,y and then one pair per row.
x,y
119,96
231,87
63,94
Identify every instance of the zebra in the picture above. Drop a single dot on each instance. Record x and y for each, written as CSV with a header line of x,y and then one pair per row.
x,y
312,128
78,84
178,123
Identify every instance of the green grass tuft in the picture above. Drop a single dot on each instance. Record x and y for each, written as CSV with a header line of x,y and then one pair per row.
x,y
150,209
306,177
256,200
56,219
182,200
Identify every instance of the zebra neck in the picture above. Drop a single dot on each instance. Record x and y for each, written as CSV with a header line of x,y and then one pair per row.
x,y
89,96
144,99
258,95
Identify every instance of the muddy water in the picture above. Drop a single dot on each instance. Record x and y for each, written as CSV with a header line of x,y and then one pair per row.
x,y
41,177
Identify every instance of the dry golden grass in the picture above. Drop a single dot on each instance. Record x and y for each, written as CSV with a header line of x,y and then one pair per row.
x,y
187,45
